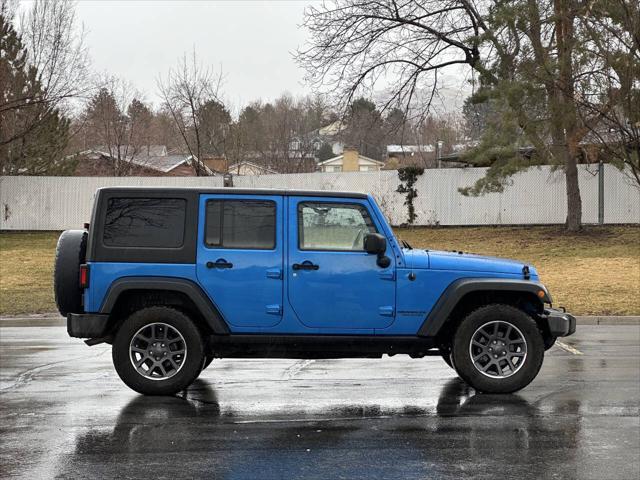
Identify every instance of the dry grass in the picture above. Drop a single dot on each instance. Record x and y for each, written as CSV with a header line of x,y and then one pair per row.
x,y
595,272
591,273
26,272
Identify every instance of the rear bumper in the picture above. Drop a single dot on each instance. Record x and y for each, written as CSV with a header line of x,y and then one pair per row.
x,y
559,323
87,325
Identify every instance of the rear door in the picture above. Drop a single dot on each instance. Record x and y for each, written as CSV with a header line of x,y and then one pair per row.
x,y
332,282
240,257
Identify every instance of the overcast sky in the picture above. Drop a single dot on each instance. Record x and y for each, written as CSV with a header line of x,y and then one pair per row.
x,y
250,41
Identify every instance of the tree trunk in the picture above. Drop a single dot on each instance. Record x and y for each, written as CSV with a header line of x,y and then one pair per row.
x,y
574,202
565,111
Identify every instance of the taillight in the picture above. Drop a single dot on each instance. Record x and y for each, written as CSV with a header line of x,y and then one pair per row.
x,y
84,276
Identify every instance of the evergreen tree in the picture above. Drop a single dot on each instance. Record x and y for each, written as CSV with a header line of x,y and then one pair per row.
x,y
33,135
364,128
141,118
325,152
214,121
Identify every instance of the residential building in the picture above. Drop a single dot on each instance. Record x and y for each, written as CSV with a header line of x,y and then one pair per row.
x,y
216,163
150,161
310,143
406,155
350,161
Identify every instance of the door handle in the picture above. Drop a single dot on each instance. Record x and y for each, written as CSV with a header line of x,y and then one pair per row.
x,y
220,263
306,265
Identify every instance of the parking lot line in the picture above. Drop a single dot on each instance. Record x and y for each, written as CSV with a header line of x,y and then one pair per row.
x,y
568,348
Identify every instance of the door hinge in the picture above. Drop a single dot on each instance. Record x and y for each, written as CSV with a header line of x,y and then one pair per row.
x,y
386,311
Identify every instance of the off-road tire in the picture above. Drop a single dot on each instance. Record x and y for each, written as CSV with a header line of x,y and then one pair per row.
x,y
70,253
464,364
193,360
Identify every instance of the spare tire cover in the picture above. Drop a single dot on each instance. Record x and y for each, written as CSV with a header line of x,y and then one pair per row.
x,y
70,254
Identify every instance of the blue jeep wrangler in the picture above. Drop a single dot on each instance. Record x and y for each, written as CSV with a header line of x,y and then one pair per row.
x,y
175,277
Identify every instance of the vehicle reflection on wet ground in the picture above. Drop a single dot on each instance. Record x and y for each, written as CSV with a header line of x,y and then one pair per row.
x,y
64,413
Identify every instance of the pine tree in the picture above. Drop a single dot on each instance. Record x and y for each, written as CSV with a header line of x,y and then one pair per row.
x,y
33,136
325,152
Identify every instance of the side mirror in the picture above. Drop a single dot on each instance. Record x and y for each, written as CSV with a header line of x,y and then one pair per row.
x,y
375,243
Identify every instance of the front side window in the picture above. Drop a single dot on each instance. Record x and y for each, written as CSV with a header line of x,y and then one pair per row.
x,y
145,222
333,226
243,224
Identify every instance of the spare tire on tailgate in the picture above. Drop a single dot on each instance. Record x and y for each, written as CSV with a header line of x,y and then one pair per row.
x,y
70,254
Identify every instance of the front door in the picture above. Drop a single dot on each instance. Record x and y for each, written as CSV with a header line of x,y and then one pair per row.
x,y
333,282
240,257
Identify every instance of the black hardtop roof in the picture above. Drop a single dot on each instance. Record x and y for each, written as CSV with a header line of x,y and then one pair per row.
x,y
235,191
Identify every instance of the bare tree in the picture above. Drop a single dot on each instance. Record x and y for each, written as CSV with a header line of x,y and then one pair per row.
x,y
56,48
280,135
611,92
185,92
114,120
528,52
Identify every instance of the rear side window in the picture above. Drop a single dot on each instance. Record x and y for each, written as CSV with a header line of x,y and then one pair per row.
x,y
244,224
145,222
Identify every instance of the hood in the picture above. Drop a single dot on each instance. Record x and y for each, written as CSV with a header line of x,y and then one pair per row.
x,y
416,258
469,262
440,260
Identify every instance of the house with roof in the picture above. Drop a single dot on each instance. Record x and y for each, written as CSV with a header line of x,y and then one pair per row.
x,y
406,155
350,161
310,143
148,161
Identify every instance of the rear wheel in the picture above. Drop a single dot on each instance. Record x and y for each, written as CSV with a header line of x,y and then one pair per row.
x,y
158,351
498,349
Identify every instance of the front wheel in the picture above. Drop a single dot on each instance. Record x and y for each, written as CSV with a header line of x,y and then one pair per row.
x,y
158,351
498,349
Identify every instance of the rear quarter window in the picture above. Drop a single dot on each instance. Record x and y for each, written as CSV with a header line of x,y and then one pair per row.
x,y
145,222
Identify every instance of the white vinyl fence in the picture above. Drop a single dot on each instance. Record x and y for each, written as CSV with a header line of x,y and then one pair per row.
x,y
536,196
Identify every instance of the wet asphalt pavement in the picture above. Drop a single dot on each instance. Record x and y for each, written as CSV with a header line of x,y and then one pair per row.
x,y
65,414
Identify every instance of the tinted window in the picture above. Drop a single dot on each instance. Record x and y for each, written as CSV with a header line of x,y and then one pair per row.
x,y
247,224
145,222
333,226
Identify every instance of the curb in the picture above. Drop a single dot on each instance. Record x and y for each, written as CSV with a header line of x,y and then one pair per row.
x,y
608,320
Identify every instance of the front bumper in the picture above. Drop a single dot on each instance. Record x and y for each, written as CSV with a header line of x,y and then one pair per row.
x,y
559,323
87,325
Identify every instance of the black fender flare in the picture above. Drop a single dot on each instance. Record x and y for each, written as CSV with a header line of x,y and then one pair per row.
x,y
459,288
202,302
